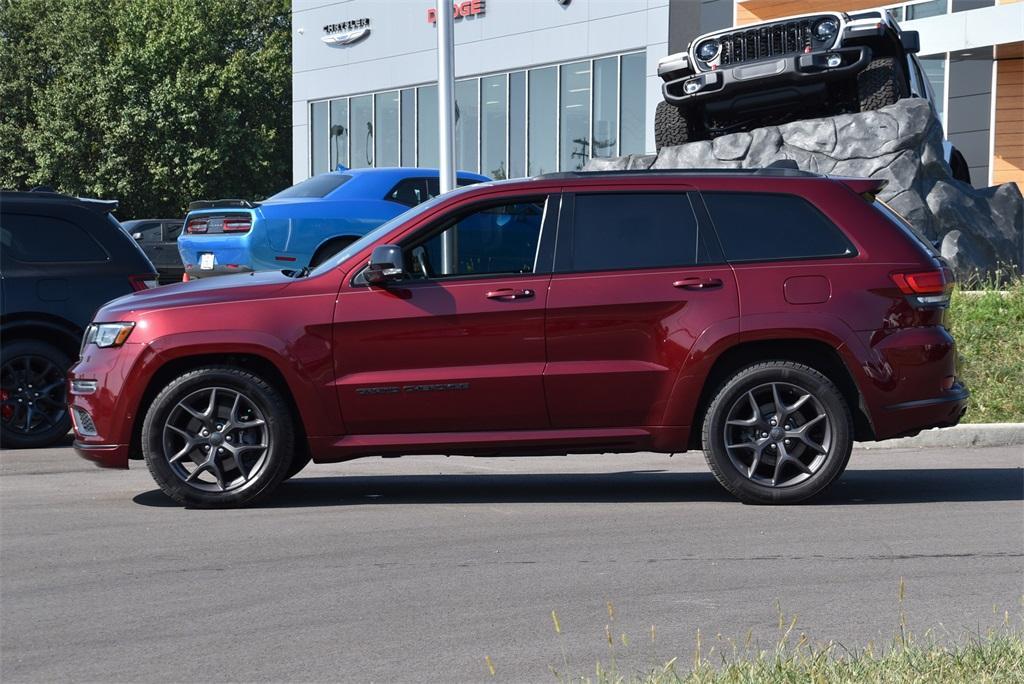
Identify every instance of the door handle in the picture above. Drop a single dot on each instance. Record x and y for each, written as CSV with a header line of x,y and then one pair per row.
x,y
507,293
698,283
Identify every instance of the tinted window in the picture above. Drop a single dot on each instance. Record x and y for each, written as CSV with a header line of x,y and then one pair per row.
x,y
173,230
409,191
633,230
317,186
434,185
47,239
494,240
149,233
763,227
413,191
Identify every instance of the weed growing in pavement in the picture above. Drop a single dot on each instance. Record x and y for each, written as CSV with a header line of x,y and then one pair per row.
x,y
996,655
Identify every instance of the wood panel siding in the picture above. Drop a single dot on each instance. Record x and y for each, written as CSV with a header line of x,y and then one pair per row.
x,y
753,11
1008,148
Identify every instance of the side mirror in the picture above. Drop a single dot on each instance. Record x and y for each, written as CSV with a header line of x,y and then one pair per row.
x,y
137,236
387,265
911,41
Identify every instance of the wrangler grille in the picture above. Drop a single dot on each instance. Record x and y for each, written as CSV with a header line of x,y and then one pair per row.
x,y
766,41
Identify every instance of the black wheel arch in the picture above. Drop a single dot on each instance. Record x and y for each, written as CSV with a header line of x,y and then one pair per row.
x,y
57,331
814,353
253,363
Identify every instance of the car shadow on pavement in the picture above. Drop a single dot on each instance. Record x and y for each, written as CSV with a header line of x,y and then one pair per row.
x,y
856,487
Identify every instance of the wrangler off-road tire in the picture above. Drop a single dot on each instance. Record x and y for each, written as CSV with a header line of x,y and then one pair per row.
x,y
881,84
671,126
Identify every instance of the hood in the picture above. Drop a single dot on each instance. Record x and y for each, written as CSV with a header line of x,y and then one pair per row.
x,y
227,288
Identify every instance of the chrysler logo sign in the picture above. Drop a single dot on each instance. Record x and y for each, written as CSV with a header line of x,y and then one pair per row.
x,y
346,32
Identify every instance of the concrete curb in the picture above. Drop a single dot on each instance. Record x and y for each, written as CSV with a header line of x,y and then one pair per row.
x,y
964,435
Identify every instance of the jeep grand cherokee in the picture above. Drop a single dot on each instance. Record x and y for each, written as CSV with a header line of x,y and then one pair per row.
x,y
769,317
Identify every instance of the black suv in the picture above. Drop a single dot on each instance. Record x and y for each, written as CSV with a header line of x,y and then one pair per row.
x,y
61,258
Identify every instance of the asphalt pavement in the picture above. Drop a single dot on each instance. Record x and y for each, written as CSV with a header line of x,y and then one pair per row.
x,y
416,569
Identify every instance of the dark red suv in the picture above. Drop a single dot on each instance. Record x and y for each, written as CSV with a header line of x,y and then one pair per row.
x,y
771,317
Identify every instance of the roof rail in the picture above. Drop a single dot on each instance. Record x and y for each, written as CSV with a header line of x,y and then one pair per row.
x,y
774,170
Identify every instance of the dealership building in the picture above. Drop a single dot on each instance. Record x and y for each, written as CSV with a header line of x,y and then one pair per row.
x,y
544,85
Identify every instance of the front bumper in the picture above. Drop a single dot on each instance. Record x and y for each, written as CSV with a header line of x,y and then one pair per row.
x,y
763,75
108,413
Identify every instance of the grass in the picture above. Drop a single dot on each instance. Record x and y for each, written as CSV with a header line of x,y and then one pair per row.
x,y
988,325
995,656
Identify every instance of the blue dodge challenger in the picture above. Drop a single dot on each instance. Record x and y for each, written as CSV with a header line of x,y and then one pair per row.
x,y
303,225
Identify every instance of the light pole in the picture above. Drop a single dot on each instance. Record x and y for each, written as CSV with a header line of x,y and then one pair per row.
x,y
446,117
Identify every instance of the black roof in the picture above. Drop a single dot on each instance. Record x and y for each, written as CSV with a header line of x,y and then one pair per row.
x,y
47,195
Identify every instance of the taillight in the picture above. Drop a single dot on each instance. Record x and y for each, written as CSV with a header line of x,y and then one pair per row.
x,y
925,288
196,226
142,282
237,225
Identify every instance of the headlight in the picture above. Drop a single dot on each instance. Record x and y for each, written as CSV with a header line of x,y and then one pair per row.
x,y
707,50
107,334
826,29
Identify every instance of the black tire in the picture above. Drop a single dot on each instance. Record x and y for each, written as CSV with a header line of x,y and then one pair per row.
x,y
671,126
167,420
34,410
757,384
329,249
881,84
299,462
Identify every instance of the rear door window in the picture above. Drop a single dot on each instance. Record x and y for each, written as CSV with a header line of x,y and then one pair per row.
x,y
46,239
615,231
758,226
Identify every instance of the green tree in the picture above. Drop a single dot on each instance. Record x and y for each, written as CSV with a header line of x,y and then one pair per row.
x,y
152,102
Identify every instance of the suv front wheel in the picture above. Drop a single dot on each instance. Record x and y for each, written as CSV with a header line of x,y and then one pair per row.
x,y
777,432
218,437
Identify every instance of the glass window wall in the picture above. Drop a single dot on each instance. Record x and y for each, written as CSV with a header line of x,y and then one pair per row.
x,y
526,122
362,131
385,129
574,119
339,133
542,121
318,137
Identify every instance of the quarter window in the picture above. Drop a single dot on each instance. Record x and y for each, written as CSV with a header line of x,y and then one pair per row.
x,y
618,230
499,239
756,226
42,239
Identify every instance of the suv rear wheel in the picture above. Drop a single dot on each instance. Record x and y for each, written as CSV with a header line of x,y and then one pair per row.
x,y
33,402
218,437
777,432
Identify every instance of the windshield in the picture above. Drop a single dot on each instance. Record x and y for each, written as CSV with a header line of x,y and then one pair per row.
x,y
317,186
377,233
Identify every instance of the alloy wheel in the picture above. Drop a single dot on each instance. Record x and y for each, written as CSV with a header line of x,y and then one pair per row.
x,y
216,440
778,434
32,394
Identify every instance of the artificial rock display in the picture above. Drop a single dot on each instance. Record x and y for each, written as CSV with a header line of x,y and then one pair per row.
x,y
978,231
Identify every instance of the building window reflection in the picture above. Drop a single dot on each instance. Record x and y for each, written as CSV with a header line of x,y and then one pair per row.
x,y
508,125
